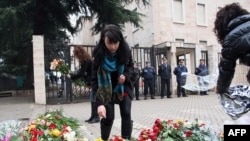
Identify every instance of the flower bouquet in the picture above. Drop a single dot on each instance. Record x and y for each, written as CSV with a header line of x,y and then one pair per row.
x,y
179,130
51,126
60,66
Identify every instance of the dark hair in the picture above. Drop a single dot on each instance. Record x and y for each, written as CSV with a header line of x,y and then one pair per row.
x,y
115,35
224,16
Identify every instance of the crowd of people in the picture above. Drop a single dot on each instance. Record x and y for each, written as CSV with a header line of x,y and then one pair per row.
x,y
115,77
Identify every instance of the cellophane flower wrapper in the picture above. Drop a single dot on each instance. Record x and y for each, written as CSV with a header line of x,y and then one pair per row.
x,y
9,128
236,102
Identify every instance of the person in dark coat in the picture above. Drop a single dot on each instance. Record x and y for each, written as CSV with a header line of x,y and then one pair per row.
x,y
136,77
181,77
202,71
84,73
111,80
164,72
148,75
232,29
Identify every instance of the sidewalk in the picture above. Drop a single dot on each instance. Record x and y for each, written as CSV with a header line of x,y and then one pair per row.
x,y
144,112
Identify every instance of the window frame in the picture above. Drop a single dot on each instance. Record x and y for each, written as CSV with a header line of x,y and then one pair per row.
x,y
203,2
183,12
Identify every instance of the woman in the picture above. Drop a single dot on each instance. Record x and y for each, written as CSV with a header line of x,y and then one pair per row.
x,y
232,28
111,80
84,73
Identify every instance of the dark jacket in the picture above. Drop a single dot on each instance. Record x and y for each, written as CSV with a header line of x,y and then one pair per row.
x,y
201,70
128,69
84,72
236,45
148,72
178,71
164,71
136,74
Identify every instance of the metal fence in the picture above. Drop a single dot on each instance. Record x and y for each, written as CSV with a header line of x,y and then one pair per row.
x,y
60,89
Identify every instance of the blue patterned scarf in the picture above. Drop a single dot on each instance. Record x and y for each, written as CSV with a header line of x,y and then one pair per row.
x,y
105,89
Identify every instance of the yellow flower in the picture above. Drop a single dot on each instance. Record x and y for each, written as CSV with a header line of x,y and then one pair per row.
x,y
55,132
31,127
179,122
98,139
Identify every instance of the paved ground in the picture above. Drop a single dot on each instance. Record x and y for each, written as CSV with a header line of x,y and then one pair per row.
x,y
144,112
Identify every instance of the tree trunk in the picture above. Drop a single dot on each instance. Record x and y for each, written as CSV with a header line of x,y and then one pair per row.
x,y
29,81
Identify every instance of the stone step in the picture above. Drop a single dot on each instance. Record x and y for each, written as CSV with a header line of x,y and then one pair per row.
x,y
6,93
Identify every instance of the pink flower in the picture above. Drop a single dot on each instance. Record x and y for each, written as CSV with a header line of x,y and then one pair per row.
x,y
7,138
43,122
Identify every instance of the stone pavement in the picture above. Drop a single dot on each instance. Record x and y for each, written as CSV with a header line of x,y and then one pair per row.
x,y
144,112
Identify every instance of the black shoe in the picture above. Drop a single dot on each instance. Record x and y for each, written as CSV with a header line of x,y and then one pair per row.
x,y
145,98
184,96
162,97
169,97
152,97
89,119
178,96
95,120
137,99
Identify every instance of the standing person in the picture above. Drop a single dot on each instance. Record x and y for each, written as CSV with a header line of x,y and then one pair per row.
x,y
84,73
202,71
111,80
232,28
181,78
165,73
148,74
136,77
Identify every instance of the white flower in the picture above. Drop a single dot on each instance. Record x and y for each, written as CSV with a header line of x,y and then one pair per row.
x,y
48,115
187,124
70,136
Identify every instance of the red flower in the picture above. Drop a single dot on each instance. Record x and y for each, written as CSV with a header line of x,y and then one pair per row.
x,y
152,136
188,133
156,129
176,126
60,62
118,138
34,138
157,121
169,121
52,126
35,133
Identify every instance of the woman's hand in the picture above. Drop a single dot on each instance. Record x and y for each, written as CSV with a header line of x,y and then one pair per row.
x,y
121,79
101,110
68,75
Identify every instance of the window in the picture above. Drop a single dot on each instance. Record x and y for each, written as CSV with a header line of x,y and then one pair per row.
x,y
178,11
203,43
201,13
179,40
